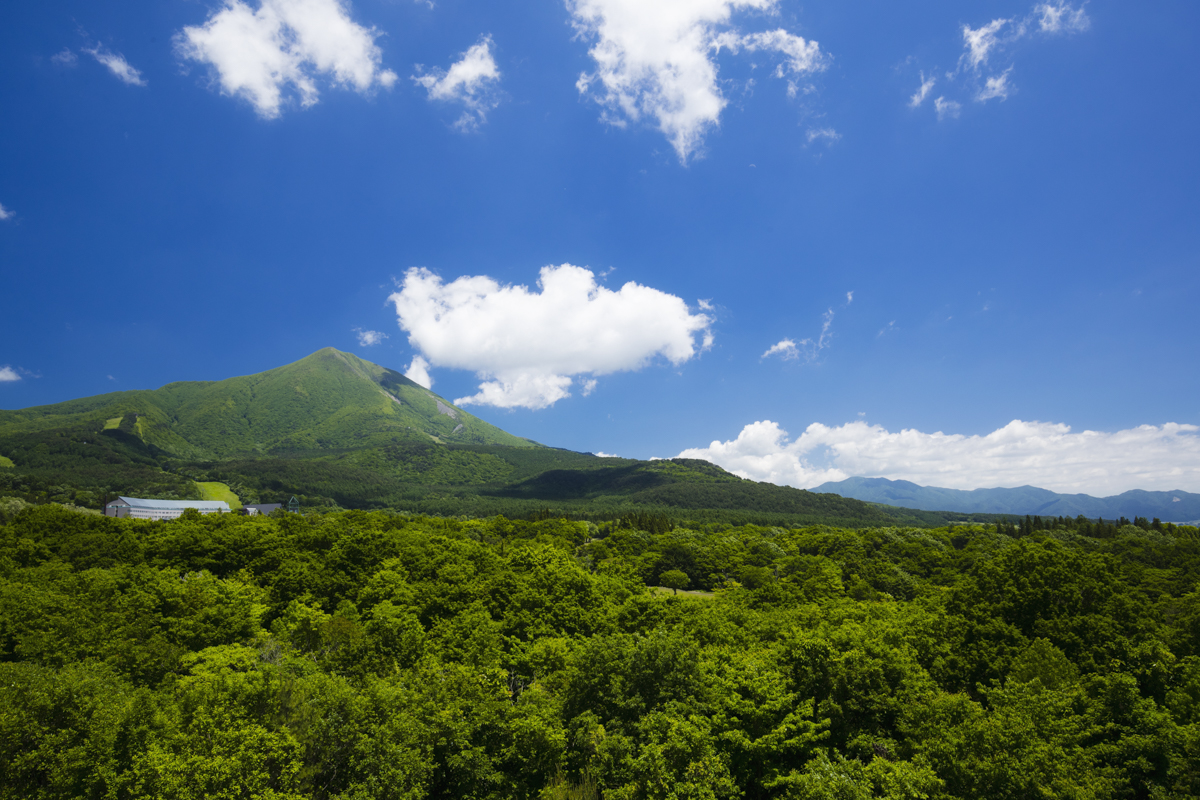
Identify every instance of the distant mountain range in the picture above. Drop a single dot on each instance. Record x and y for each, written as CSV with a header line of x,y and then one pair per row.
x,y
1167,506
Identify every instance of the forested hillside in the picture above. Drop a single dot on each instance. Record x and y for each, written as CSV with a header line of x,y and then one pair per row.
x,y
381,655
338,432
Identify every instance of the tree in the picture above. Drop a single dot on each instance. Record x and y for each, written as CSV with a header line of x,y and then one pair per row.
x,y
674,579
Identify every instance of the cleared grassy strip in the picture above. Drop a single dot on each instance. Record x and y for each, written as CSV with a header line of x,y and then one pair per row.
x,y
112,424
6,462
211,490
697,593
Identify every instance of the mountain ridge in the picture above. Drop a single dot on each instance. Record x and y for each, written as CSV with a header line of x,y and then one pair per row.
x,y
1019,500
327,400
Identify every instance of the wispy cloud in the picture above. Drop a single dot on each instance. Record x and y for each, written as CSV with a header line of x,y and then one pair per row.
x,y
947,109
369,338
1048,455
828,135
657,61
1061,18
471,82
5,213
256,54
808,349
995,87
926,87
785,349
9,375
978,74
117,65
980,42
65,58
529,347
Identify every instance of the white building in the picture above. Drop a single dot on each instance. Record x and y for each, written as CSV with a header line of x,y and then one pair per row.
x,y
138,508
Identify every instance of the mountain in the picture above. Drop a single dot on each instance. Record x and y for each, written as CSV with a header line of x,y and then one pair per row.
x,y
337,431
1167,506
328,401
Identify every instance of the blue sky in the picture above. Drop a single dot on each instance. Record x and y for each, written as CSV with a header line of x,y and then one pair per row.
x,y
195,190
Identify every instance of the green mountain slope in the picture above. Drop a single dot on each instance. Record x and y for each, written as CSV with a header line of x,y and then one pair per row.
x,y
328,401
337,431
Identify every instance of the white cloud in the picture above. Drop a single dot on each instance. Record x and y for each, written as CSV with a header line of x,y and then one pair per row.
x,y
256,54
470,81
919,96
418,372
996,86
1041,454
1061,18
790,350
117,65
827,134
368,338
607,455
8,374
981,45
527,347
980,42
784,348
946,108
65,58
5,213
849,297
657,60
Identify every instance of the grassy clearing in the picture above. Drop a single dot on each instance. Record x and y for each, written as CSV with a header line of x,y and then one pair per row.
x,y
684,592
6,462
211,490
112,424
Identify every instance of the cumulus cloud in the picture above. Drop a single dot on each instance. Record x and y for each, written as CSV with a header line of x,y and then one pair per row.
x,y
528,347
657,61
368,338
8,375
117,65
256,54
471,81
1041,454
947,109
5,213
418,372
995,87
919,96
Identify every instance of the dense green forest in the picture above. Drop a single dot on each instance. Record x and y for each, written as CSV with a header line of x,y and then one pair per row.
x,y
366,654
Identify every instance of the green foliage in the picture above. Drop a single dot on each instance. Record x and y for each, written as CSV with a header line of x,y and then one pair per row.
x,y
674,579
363,654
